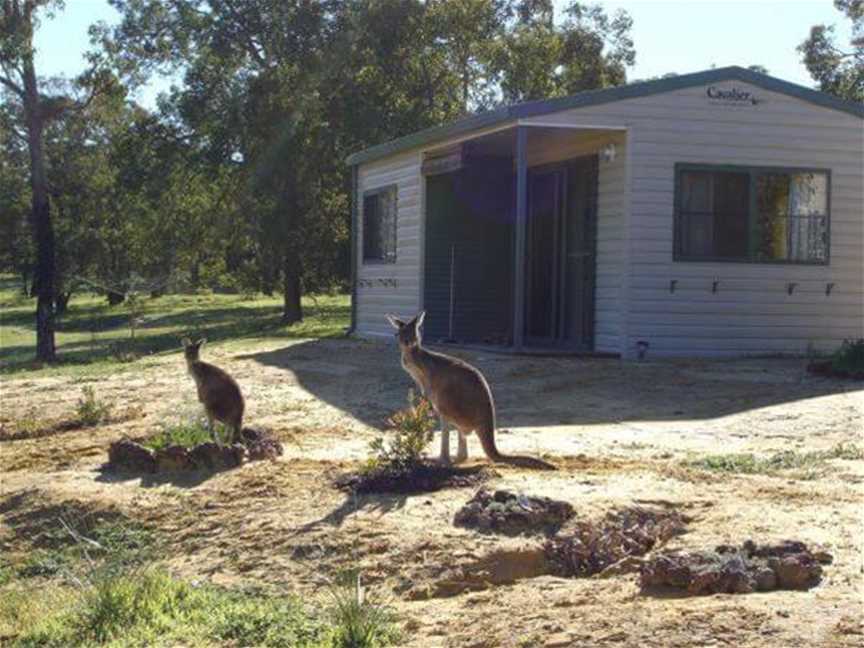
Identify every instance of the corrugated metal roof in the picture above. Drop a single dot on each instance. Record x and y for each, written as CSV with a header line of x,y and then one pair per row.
x,y
606,95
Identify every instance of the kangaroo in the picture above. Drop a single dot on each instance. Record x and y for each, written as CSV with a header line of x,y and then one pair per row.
x,y
458,392
217,391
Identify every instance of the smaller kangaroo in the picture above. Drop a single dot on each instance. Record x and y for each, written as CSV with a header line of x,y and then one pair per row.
x,y
217,391
458,392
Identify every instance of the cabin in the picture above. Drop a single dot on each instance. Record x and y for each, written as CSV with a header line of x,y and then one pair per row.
x,y
719,213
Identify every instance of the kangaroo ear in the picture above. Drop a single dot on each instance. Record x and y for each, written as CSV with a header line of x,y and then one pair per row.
x,y
418,321
186,342
395,322
201,342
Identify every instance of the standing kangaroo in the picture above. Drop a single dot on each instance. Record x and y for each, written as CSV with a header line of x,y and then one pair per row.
x,y
458,392
217,391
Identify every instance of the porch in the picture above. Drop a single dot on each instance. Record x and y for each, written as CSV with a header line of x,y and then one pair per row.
x,y
510,241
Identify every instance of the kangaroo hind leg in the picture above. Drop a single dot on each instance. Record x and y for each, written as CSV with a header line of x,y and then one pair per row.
x,y
445,442
462,453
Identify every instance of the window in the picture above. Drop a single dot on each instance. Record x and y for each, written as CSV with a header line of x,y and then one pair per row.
x,y
379,225
751,214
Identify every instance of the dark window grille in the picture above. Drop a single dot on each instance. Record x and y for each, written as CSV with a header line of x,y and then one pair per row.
x,y
379,225
754,215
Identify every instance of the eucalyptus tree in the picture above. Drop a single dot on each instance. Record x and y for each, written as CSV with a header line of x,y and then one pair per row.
x,y
838,69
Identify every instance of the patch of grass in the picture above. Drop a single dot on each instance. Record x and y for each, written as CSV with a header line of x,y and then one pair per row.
x,y
90,410
150,607
94,338
76,547
357,621
811,464
185,432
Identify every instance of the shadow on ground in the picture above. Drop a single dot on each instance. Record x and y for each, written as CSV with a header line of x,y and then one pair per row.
x,y
365,379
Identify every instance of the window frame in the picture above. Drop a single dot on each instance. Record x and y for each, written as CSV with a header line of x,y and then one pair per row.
x,y
369,193
752,172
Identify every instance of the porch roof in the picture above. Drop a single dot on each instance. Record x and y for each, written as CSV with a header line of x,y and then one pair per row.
x,y
593,97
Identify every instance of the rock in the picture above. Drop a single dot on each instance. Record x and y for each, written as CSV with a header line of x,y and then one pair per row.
x,y
736,570
212,456
173,459
559,640
126,455
261,444
510,513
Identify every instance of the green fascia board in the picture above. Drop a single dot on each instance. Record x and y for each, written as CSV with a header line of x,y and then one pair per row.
x,y
605,95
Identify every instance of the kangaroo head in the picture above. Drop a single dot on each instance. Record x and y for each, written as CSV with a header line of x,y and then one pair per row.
x,y
192,349
408,333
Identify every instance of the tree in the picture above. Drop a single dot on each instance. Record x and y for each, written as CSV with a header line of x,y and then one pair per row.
x,y
838,71
39,107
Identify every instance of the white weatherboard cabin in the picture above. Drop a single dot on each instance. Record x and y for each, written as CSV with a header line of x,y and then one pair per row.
x,y
710,214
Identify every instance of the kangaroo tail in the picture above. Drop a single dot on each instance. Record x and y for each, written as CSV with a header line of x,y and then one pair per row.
x,y
487,441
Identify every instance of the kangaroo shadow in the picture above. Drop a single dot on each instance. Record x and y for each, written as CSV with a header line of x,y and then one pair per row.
x,y
184,479
355,503
365,379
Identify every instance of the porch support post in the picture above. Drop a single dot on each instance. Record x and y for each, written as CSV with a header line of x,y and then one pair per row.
x,y
520,236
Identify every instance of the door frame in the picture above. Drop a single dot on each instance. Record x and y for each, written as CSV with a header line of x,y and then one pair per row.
x,y
561,297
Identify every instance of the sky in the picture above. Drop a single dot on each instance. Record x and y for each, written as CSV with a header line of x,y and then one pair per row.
x,y
670,36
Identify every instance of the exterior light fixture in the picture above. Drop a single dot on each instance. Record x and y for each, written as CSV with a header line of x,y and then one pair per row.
x,y
608,152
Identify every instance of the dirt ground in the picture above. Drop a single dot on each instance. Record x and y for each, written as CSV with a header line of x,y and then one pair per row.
x,y
619,433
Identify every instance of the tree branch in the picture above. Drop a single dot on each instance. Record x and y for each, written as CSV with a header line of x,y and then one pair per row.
x,y
12,86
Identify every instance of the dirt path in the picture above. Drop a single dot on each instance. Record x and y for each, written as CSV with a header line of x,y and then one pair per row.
x,y
618,431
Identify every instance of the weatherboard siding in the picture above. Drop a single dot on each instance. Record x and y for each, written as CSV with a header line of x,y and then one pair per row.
x,y
751,312
376,294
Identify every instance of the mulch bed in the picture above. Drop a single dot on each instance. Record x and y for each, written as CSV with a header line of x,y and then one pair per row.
x,y
424,477
128,456
513,514
790,565
612,545
826,369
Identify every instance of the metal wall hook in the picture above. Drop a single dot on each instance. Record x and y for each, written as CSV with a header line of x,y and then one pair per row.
x,y
672,285
828,288
790,287
715,286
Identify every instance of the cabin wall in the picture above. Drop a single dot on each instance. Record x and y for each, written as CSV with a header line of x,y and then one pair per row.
x,y
390,287
751,312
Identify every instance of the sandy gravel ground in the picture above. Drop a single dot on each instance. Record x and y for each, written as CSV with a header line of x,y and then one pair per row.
x,y
618,431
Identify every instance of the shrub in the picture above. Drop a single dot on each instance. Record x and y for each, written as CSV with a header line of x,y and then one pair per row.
x,y
849,358
412,431
90,410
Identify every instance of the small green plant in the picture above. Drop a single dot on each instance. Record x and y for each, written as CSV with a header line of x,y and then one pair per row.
x,y
849,358
185,432
91,410
412,431
359,622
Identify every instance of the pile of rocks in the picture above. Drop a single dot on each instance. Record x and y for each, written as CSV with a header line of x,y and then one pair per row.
x,y
511,513
737,570
126,455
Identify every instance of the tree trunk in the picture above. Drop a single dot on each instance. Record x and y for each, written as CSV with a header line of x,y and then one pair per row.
x,y
292,311
43,229
62,303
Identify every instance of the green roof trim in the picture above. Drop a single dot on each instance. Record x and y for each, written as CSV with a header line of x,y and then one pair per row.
x,y
595,97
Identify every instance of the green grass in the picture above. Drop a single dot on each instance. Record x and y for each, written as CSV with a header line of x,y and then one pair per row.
x,y
808,464
93,337
151,608
185,432
849,357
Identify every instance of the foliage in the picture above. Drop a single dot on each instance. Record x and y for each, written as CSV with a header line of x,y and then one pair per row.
x,y
91,411
359,622
839,70
849,357
412,431
811,463
186,432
